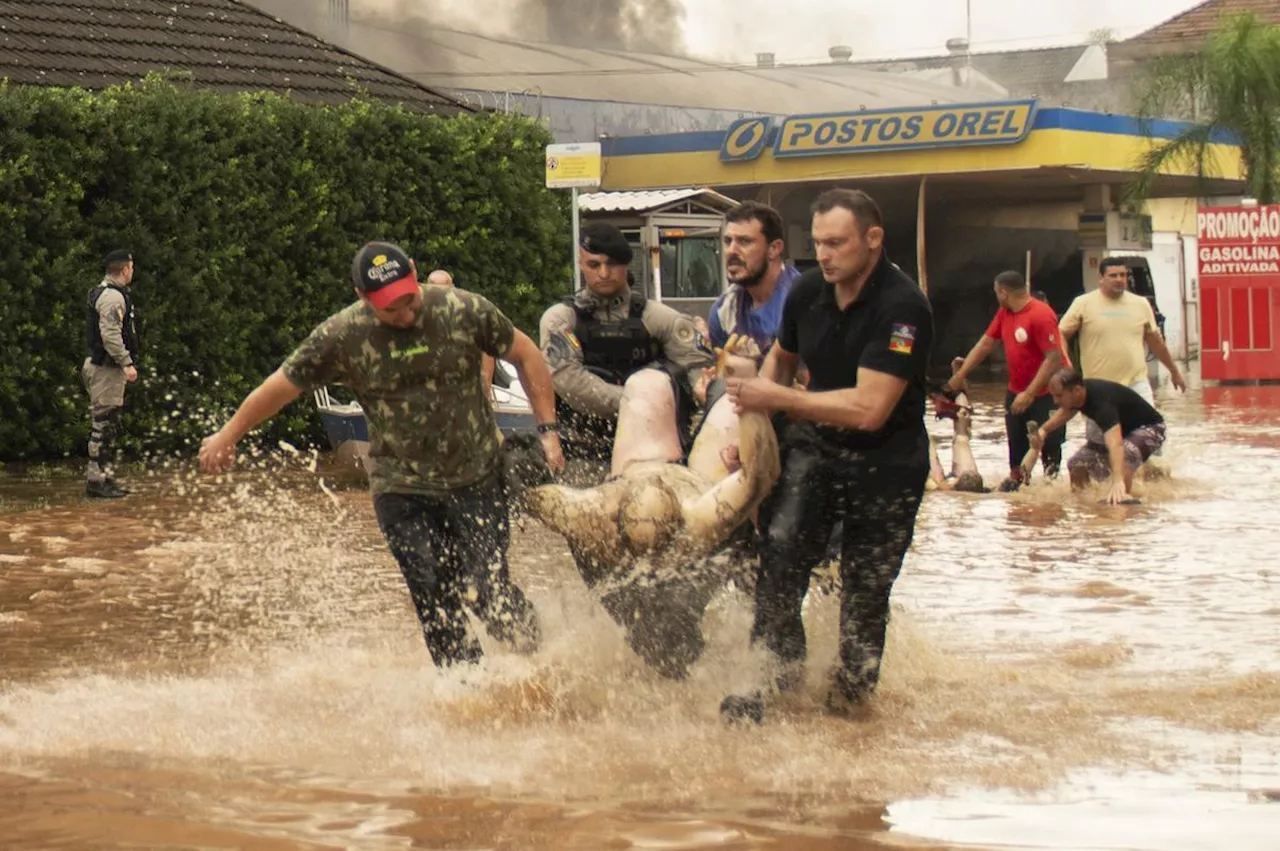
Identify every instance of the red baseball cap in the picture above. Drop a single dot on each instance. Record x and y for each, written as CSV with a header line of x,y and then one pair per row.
x,y
383,273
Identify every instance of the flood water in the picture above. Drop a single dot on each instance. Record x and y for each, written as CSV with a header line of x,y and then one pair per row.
x,y
234,663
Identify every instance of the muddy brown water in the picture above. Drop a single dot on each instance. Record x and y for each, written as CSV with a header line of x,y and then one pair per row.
x,y
233,663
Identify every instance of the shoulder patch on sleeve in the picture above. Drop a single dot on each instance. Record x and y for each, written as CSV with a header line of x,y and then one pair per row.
x,y
902,338
563,347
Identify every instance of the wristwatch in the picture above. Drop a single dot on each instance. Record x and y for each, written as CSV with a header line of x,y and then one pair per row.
x,y
547,428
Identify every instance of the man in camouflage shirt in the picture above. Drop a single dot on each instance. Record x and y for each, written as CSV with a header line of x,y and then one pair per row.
x,y
412,355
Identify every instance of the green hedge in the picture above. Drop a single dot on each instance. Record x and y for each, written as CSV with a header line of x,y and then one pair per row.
x,y
243,213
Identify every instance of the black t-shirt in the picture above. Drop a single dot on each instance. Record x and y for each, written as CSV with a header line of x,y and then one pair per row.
x,y
1109,404
889,328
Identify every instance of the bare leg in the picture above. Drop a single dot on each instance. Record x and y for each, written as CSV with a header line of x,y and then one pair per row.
x,y
963,465
937,478
646,422
719,432
717,439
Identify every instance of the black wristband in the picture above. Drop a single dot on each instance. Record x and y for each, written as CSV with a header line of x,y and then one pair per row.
x,y
546,428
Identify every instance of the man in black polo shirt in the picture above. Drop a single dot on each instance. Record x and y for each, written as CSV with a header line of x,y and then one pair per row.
x,y
1132,430
855,449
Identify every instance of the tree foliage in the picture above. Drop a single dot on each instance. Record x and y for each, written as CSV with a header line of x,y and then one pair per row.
x,y
1231,89
243,213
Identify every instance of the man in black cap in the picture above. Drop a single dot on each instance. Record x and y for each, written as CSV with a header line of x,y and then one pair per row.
x,y
113,349
412,356
599,338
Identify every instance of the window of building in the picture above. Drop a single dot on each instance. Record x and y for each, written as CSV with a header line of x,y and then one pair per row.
x,y
691,266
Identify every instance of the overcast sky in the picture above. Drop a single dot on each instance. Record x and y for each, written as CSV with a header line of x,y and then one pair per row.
x,y
735,30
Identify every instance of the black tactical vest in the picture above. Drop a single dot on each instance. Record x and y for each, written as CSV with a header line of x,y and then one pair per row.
x,y
128,327
614,350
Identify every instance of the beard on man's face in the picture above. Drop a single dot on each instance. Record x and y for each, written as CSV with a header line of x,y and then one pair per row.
x,y
747,277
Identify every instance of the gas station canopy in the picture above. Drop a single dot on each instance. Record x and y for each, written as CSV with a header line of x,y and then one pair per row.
x,y
1009,148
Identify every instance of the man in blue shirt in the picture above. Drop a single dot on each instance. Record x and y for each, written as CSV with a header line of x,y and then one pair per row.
x,y
759,279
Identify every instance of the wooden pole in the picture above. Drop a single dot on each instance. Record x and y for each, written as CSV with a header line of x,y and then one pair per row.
x,y
921,271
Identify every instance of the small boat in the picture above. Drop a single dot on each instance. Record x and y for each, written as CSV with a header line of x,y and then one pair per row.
x,y
348,430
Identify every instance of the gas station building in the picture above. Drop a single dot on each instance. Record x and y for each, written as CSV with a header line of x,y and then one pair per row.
x,y
967,191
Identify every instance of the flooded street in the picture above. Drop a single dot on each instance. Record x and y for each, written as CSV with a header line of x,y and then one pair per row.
x,y
236,664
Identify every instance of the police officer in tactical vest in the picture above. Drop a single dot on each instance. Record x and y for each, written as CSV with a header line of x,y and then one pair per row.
x,y
596,339
113,350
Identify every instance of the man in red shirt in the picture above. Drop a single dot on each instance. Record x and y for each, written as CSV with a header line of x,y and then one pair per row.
x,y
1033,347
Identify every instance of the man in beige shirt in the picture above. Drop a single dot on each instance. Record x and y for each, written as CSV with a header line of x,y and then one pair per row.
x,y
1116,328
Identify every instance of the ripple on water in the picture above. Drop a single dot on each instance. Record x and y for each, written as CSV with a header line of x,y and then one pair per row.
x,y
1046,655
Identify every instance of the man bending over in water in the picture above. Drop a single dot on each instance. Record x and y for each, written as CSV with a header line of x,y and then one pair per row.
x,y
1132,430
642,539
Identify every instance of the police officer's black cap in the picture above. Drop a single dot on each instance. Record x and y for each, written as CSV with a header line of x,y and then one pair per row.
x,y
120,255
604,238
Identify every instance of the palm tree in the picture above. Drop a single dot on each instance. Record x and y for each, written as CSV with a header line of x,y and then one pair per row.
x,y
1231,87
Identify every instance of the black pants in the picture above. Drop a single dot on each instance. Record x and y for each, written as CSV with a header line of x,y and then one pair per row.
x,y
662,618
452,550
876,502
1015,429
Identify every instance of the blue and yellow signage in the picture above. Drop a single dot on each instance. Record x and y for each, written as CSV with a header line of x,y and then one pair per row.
x,y
745,139
1002,123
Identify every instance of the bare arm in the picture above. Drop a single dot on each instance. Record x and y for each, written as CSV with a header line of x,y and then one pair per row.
x,y
535,377
217,452
1156,343
487,366
1060,418
981,351
1052,363
536,380
863,408
1115,453
780,366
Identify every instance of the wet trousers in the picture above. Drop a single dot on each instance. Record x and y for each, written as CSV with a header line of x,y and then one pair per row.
x,y
452,550
105,385
1015,429
103,430
876,502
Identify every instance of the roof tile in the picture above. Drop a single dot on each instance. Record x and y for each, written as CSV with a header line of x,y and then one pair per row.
x,y
223,44
1198,21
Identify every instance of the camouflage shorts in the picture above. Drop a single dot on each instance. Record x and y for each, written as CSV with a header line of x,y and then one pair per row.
x,y
1139,445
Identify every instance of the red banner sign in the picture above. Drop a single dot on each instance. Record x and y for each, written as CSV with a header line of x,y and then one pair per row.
x,y
1239,263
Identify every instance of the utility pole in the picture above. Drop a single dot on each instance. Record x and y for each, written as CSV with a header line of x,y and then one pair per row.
x,y
968,39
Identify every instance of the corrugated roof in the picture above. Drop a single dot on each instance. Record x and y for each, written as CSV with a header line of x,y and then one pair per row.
x,y
224,45
1014,69
636,202
450,59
